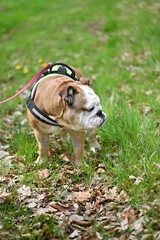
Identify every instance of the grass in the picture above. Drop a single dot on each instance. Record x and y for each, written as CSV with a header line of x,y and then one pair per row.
x,y
133,137
116,43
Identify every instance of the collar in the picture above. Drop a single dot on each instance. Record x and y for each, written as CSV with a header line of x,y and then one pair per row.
x,y
56,68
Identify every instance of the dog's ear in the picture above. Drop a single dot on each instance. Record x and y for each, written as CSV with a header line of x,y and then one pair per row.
x,y
85,81
68,95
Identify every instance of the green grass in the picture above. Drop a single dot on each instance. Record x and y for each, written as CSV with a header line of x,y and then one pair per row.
x,y
132,137
116,44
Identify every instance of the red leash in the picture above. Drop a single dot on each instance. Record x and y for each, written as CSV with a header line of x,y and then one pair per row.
x,y
28,84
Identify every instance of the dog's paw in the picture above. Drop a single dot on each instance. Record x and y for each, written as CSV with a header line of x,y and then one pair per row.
x,y
94,147
39,161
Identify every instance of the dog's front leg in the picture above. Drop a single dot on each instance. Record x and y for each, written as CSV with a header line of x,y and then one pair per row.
x,y
78,145
42,140
94,145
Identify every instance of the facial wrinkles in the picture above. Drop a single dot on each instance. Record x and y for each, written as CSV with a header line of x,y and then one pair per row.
x,y
90,119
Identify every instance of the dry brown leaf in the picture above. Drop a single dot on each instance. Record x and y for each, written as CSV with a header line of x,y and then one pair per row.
x,y
3,154
61,207
69,172
138,225
99,236
24,191
26,235
5,197
74,234
64,158
43,174
112,206
81,196
44,211
102,218
124,224
2,131
103,199
79,220
123,237
127,217
32,204
123,196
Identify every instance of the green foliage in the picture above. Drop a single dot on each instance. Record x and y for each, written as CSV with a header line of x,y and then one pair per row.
x,y
116,44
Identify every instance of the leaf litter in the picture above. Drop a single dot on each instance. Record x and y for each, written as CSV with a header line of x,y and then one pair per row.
x,y
80,210
84,210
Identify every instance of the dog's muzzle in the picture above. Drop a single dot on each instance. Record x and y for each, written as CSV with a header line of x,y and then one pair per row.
x,y
102,115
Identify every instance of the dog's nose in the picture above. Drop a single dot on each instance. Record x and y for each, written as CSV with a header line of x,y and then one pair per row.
x,y
99,113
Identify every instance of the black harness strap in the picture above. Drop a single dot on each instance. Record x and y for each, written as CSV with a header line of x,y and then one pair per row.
x,y
62,69
39,114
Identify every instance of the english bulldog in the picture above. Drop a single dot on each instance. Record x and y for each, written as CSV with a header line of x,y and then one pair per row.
x,y
72,105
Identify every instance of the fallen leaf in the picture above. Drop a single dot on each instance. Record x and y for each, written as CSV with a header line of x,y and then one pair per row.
x,y
69,172
32,205
44,211
124,224
43,174
103,199
138,225
99,236
79,220
2,131
61,207
24,191
74,234
102,218
3,154
64,158
137,180
145,109
100,170
123,237
5,197
81,196
127,217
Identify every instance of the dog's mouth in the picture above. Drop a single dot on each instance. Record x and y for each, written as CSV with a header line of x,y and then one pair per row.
x,y
103,120
97,121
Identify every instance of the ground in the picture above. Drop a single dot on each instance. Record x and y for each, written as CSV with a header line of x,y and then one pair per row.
x,y
115,193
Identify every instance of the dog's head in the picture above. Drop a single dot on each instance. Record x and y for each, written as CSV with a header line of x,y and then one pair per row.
x,y
83,109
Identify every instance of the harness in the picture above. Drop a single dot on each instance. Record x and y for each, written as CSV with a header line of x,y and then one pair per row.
x,y
57,69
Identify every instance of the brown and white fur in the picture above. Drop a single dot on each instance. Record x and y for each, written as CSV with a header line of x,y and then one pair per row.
x,y
74,105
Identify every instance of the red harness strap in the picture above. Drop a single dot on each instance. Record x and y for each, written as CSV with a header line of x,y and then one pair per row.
x,y
28,84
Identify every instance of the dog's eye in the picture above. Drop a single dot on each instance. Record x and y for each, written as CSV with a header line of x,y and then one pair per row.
x,y
90,109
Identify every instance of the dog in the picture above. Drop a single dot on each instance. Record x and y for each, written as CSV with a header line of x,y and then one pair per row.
x,y
71,105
